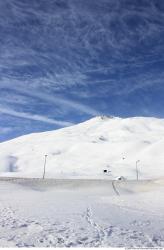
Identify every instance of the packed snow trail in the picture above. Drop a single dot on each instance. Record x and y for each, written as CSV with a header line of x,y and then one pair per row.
x,y
67,213
114,188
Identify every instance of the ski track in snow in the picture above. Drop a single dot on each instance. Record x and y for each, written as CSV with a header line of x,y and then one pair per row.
x,y
79,226
113,235
29,233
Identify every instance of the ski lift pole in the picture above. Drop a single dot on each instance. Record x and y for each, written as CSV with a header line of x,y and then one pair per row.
x,y
44,169
137,168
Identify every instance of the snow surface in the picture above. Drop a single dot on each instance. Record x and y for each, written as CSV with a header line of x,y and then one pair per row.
x,y
77,204
86,149
81,213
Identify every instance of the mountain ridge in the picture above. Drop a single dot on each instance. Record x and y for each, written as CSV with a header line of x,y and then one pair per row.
x,y
86,149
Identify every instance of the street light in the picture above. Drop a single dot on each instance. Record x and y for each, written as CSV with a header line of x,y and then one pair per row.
x,y
137,168
44,170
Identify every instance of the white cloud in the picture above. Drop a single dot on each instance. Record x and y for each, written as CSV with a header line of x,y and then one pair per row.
x,y
34,117
5,130
82,44
49,98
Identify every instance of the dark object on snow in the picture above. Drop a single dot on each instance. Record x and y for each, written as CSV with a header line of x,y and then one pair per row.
x,y
105,170
120,178
102,138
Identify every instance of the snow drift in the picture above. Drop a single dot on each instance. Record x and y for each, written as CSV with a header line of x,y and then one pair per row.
x,y
87,149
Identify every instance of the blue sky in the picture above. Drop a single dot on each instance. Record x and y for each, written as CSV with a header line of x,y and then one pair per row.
x,y
65,61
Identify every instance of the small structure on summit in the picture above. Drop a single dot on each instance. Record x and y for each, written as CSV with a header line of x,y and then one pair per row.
x,y
106,117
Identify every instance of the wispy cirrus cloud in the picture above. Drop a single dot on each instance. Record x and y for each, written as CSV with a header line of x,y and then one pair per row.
x,y
34,117
47,97
5,130
70,59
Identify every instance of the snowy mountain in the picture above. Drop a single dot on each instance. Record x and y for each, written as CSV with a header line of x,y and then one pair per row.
x,y
87,149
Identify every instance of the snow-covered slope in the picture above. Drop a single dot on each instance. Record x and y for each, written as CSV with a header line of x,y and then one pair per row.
x,y
86,149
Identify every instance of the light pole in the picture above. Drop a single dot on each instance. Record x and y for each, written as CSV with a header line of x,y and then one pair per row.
x,y
137,168
44,170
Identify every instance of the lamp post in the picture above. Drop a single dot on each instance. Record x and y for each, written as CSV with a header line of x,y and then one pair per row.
x,y
44,170
137,168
